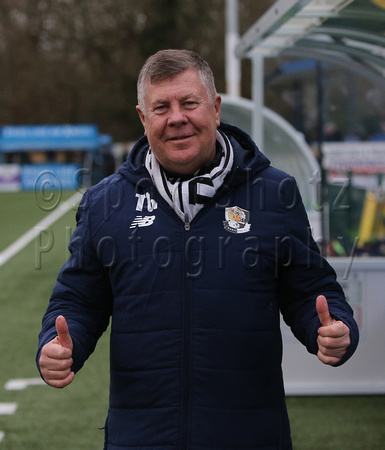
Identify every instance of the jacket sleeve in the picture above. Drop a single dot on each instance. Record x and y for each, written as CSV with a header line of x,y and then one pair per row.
x,y
303,275
82,293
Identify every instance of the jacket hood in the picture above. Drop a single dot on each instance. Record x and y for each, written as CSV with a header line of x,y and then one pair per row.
x,y
247,156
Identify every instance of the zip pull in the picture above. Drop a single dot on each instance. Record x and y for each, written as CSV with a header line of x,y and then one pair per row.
x,y
186,223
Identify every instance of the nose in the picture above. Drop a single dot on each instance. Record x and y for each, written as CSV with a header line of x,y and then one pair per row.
x,y
177,117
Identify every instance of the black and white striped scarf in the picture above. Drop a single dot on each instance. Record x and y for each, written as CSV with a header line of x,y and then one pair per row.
x,y
187,197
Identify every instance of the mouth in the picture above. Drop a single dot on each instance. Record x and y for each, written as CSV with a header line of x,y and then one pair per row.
x,y
179,138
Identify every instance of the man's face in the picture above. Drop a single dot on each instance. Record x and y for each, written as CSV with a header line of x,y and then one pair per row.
x,y
180,122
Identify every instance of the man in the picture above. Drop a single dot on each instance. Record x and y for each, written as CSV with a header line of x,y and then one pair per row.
x,y
193,248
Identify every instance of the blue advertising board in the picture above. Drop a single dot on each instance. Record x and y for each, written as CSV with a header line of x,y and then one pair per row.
x,y
37,148
15,138
52,177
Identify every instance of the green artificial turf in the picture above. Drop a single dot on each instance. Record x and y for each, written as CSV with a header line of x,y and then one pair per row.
x,y
20,211
338,423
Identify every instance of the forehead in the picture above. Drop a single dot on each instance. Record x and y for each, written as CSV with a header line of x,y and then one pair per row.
x,y
187,83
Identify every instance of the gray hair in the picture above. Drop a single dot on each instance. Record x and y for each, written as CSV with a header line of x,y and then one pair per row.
x,y
166,64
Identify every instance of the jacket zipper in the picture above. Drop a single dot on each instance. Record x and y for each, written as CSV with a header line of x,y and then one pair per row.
x,y
186,223
186,349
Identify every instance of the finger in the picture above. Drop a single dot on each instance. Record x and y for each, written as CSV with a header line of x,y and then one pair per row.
x,y
326,359
331,352
63,332
55,360
330,345
58,373
60,383
337,330
323,311
54,350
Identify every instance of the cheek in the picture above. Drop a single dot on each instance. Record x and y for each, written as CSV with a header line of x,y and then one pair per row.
x,y
154,128
153,136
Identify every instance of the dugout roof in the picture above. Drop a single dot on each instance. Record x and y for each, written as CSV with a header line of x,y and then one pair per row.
x,y
349,33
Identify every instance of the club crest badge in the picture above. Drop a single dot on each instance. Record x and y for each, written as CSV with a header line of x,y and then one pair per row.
x,y
237,220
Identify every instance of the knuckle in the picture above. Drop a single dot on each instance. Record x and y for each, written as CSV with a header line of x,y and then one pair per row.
x,y
64,364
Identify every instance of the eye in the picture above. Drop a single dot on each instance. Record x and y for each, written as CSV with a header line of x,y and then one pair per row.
x,y
160,109
190,104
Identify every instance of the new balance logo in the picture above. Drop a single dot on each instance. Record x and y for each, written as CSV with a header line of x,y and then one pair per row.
x,y
142,221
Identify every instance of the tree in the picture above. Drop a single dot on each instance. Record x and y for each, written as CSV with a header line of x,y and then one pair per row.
x,y
77,61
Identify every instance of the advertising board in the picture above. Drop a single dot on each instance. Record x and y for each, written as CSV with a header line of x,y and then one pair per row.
x,y
50,176
9,177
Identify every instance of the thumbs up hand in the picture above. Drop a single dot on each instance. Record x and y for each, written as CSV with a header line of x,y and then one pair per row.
x,y
56,357
333,336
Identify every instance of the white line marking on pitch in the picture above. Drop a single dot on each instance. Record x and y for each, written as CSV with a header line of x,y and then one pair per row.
x,y
31,234
7,408
16,385
20,384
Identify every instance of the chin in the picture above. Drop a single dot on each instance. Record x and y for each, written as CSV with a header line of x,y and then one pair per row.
x,y
185,161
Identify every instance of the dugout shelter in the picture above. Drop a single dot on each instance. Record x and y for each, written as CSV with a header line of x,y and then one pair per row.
x,y
349,34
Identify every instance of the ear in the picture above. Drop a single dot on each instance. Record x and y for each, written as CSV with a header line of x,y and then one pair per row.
x,y
217,107
142,117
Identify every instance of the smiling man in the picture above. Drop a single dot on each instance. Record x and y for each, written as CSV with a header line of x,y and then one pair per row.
x,y
193,249
180,122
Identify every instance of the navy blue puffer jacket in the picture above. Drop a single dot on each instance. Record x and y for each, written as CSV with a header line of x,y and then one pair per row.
x,y
196,345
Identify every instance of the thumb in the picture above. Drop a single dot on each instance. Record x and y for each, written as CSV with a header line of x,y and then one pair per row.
x,y
323,311
63,333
